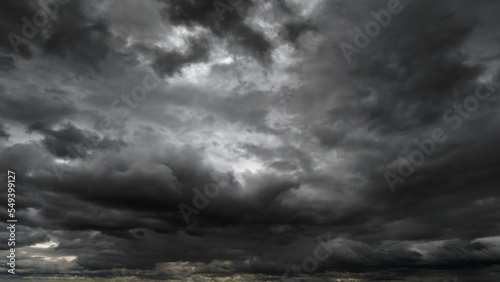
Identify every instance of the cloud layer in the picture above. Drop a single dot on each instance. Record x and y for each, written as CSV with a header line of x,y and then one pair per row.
x,y
257,143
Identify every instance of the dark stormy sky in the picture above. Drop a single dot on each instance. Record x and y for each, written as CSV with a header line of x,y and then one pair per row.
x,y
307,140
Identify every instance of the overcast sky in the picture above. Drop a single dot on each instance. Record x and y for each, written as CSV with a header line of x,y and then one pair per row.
x,y
231,140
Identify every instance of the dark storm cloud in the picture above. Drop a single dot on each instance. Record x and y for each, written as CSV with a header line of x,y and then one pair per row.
x,y
69,139
135,196
329,138
421,209
86,44
24,158
303,148
12,13
168,63
3,131
159,185
223,20
415,65
78,34
42,105
61,29
411,81
293,30
6,62
56,141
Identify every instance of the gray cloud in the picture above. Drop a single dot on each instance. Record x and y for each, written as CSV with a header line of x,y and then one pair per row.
x,y
267,107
